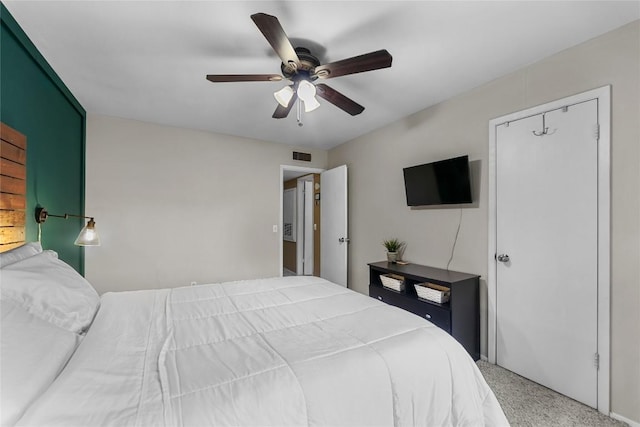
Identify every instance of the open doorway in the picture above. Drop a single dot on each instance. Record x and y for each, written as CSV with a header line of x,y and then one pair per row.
x,y
330,228
301,221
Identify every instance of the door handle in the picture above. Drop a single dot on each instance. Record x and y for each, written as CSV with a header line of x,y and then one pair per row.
x,y
344,240
503,258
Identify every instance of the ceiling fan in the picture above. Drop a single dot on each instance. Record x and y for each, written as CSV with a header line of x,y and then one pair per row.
x,y
302,69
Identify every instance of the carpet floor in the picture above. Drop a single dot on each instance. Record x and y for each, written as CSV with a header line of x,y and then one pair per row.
x,y
526,403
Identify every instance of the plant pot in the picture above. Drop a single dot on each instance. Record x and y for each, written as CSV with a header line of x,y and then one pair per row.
x,y
392,257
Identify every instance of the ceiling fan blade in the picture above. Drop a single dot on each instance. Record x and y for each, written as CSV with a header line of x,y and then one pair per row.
x,y
277,38
338,99
358,64
221,78
282,112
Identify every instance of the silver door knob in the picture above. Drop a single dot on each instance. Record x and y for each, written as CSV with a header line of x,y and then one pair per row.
x,y
503,258
344,240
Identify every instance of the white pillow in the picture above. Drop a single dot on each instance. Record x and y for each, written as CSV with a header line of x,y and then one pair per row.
x,y
21,252
33,353
50,289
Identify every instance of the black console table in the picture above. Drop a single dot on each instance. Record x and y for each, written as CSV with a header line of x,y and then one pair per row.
x,y
460,316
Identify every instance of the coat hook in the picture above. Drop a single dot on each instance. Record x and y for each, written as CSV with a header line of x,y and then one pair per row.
x,y
545,129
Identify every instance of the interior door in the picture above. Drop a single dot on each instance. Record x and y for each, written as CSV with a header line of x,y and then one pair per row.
x,y
334,237
546,272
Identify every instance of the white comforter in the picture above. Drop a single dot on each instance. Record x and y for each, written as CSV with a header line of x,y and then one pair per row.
x,y
282,351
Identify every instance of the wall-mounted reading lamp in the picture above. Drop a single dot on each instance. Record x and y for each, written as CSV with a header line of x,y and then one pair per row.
x,y
88,235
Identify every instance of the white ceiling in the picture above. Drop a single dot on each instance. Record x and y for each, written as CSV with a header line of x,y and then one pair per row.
x,y
147,60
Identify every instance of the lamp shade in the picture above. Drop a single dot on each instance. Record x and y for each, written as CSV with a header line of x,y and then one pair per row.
x,y
88,235
310,104
306,90
283,96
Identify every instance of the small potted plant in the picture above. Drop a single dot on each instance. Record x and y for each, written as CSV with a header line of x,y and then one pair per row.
x,y
393,246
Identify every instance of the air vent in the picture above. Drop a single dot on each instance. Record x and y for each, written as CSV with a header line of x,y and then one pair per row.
x,y
305,157
288,232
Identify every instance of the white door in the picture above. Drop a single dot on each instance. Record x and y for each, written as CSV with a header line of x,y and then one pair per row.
x,y
546,241
333,213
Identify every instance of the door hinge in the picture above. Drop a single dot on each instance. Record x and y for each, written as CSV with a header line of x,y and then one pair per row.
x,y
596,132
596,360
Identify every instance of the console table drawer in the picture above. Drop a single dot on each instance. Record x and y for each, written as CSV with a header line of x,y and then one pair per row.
x,y
381,294
440,317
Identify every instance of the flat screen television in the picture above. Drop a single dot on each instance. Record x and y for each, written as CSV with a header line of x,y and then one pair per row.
x,y
445,182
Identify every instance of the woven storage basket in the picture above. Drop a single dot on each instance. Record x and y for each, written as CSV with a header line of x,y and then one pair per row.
x,y
433,292
392,281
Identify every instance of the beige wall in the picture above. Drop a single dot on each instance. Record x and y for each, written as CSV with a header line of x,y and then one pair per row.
x,y
459,126
174,205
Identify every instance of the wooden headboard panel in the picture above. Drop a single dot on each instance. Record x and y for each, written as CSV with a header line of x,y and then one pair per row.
x,y
13,187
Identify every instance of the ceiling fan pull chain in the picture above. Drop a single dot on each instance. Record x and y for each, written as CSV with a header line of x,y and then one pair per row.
x,y
299,116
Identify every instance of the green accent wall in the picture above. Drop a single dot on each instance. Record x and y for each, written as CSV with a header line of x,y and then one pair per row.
x,y
35,102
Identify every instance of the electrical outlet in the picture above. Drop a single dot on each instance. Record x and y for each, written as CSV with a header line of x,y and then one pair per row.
x,y
275,228
194,283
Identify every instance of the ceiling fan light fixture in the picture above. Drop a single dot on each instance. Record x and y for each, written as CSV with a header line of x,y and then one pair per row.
x,y
284,95
310,105
301,68
306,91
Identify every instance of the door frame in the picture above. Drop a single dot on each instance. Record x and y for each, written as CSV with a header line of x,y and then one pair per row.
x,y
303,170
603,95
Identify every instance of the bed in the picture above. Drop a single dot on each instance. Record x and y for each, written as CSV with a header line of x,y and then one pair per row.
x,y
277,351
